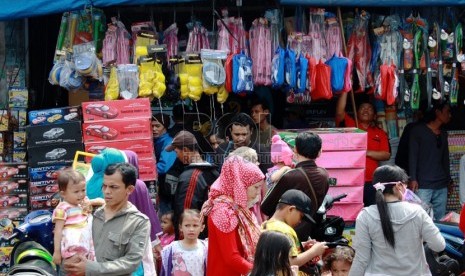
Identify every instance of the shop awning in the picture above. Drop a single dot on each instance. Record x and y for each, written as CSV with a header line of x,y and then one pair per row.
x,y
374,3
17,9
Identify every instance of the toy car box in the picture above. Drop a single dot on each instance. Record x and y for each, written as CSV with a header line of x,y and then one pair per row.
x,y
19,140
18,98
19,155
147,169
42,187
13,213
69,132
9,171
18,118
6,231
45,173
117,130
13,187
53,154
19,200
4,120
54,115
118,109
41,201
142,147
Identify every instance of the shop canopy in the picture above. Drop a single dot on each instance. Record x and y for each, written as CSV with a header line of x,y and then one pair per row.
x,y
374,3
17,9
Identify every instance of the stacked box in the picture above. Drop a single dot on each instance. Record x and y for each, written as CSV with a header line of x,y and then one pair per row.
x,y
13,191
343,156
53,137
124,125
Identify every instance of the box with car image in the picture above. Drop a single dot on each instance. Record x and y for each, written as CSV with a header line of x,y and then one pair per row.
x,y
54,115
41,135
53,154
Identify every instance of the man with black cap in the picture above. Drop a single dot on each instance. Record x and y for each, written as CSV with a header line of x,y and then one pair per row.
x,y
293,206
191,185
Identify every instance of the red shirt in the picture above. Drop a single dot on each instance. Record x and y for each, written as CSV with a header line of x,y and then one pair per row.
x,y
225,253
377,140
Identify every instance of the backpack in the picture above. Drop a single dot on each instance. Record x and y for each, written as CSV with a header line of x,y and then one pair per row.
x,y
242,73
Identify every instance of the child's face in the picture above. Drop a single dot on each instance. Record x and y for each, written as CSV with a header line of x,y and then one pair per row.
x,y
191,227
340,268
167,224
294,217
75,193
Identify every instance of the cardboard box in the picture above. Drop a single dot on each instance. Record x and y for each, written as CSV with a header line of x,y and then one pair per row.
x,y
69,132
347,177
41,201
14,187
5,232
19,140
117,130
354,193
15,214
118,109
142,147
53,154
9,171
18,117
45,173
147,169
4,120
54,115
18,98
334,139
19,200
19,155
5,255
342,159
43,187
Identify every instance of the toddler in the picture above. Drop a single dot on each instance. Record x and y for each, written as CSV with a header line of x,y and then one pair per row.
x,y
281,157
338,263
189,255
166,236
72,218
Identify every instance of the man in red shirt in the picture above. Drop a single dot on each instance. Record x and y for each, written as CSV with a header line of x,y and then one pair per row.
x,y
377,141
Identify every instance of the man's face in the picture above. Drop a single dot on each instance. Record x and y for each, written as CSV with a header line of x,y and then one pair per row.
x,y
259,114
444,115
114,190
182,155
366,113
240,135
157,129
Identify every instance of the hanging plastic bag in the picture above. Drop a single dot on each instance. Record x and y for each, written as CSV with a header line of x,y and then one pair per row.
x,y
69,78
222,95
290,73
322,89
112,88
348,77
302,74
228,66
242,73
338,69
260,51
146,77
86,62
128,79
277,68
311,75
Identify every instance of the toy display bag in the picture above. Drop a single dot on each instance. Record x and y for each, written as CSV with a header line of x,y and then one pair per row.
x,y
242,73
277,68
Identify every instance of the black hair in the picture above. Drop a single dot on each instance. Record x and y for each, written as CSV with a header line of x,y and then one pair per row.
x,y
242,119
384,174
178,113
264,105
69,175
128,172
430,115
168,213
189,212
272,255
308,144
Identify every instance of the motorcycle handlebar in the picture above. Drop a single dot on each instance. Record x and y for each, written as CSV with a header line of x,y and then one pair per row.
x,y
339,197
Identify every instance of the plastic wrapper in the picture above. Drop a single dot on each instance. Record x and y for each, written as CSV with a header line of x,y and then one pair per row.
x,y
86,62
260,51
112,89
128,79
69,78
322,89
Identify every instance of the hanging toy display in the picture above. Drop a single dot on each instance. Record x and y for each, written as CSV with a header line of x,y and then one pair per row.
x,y
213,73
260,51
193,77
242,74
112,88
128,79
417,53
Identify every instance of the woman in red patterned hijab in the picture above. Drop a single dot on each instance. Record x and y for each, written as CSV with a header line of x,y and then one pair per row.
x,y
233,230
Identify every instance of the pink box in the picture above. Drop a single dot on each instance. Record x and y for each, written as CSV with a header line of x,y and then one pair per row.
x,y
142,147
147,169
348,177
354,193
118,109
117,130
348,211
342,159
342,138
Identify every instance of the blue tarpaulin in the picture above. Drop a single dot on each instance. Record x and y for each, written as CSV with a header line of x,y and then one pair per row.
x,y
374,3
17,9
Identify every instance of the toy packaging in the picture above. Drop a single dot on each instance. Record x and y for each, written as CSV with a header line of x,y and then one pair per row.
x,y
13,187
142,147
9,171
54,115
118,109
17,98
117,130
69,132
46,172
53,154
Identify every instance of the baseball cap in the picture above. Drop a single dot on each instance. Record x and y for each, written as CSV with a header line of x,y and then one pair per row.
x,y
300,200
182,139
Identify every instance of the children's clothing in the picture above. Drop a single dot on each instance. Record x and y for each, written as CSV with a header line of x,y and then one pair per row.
x,y
180,261
77,231
166,239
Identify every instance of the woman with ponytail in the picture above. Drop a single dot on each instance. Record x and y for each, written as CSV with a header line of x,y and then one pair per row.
x,y
390,235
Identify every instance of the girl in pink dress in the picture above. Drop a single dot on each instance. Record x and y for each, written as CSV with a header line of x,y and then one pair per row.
x,y
72,218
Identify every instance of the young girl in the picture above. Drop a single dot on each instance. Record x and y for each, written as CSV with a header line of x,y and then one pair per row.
x,y
72,218
338,263
166,237
272,255
281,156
189,255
